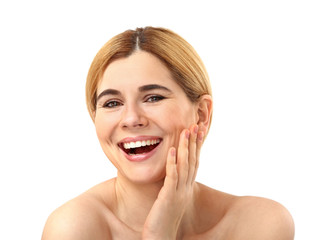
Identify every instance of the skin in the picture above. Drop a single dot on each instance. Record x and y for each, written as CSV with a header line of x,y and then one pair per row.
x,y
158,198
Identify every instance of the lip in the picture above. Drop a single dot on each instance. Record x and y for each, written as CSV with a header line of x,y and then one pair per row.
x,y
139,157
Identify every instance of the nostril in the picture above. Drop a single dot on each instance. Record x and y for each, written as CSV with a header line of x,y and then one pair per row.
x,y
127,125
133,116
134,122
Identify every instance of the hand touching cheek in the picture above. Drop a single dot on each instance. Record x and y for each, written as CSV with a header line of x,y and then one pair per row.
x,y
166,214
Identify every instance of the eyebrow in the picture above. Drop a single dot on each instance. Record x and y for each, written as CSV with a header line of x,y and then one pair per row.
x,y
153,86
144,88
108,92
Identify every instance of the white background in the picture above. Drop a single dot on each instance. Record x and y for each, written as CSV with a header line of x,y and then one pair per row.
x,y
269,66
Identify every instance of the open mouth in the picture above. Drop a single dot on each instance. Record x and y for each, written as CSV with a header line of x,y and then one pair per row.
x,y
139,147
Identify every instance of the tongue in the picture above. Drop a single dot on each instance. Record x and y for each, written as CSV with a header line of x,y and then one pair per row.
x,y
144,149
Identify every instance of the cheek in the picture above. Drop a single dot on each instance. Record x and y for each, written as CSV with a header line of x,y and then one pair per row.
x,y
182,116
171,116
177,118
104,126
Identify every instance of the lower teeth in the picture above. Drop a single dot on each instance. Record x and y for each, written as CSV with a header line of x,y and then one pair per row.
x,y
134,154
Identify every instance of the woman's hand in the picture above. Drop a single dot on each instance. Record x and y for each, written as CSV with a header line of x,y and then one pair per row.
x,y
166,214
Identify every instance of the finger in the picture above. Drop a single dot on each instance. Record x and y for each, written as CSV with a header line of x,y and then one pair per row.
x,y
182,158
171,168
171,179
192,153
199,142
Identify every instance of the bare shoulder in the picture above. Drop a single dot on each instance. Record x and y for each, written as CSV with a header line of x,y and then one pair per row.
x,y
80,218
259,218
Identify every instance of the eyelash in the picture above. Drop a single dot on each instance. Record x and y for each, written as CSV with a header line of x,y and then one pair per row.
x,y
150,99
107,104
156,97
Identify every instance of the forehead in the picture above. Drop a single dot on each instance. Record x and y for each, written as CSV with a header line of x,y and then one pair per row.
x,y
140,68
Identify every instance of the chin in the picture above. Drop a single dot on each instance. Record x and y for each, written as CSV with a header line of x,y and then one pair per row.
x,y
145,175
145,168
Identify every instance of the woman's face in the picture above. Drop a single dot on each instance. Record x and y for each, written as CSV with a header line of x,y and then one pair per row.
x,y
140,114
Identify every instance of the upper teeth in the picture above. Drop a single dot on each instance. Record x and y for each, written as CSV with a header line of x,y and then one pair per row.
x,y
140,143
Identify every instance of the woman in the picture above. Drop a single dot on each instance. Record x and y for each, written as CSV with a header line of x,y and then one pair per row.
x,y
149,96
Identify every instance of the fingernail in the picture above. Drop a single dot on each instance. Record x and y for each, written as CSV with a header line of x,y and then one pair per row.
x,y
195,129
187,134
173,152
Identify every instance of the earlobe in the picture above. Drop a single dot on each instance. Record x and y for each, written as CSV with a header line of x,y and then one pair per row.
x,y
205,111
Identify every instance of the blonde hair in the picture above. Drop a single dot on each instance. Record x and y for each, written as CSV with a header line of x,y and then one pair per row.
x,y
178,55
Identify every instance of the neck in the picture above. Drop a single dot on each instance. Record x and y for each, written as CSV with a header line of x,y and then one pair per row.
x,y
134,201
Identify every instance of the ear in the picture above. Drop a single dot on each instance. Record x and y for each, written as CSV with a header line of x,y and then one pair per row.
x,y
204,105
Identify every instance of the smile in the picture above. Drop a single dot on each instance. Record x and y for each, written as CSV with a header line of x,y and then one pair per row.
x,y
142,146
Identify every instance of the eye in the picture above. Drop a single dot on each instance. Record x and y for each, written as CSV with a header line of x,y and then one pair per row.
x,y
112,104
154,98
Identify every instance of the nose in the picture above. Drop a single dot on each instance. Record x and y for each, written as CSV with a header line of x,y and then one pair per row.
x,y
133,117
